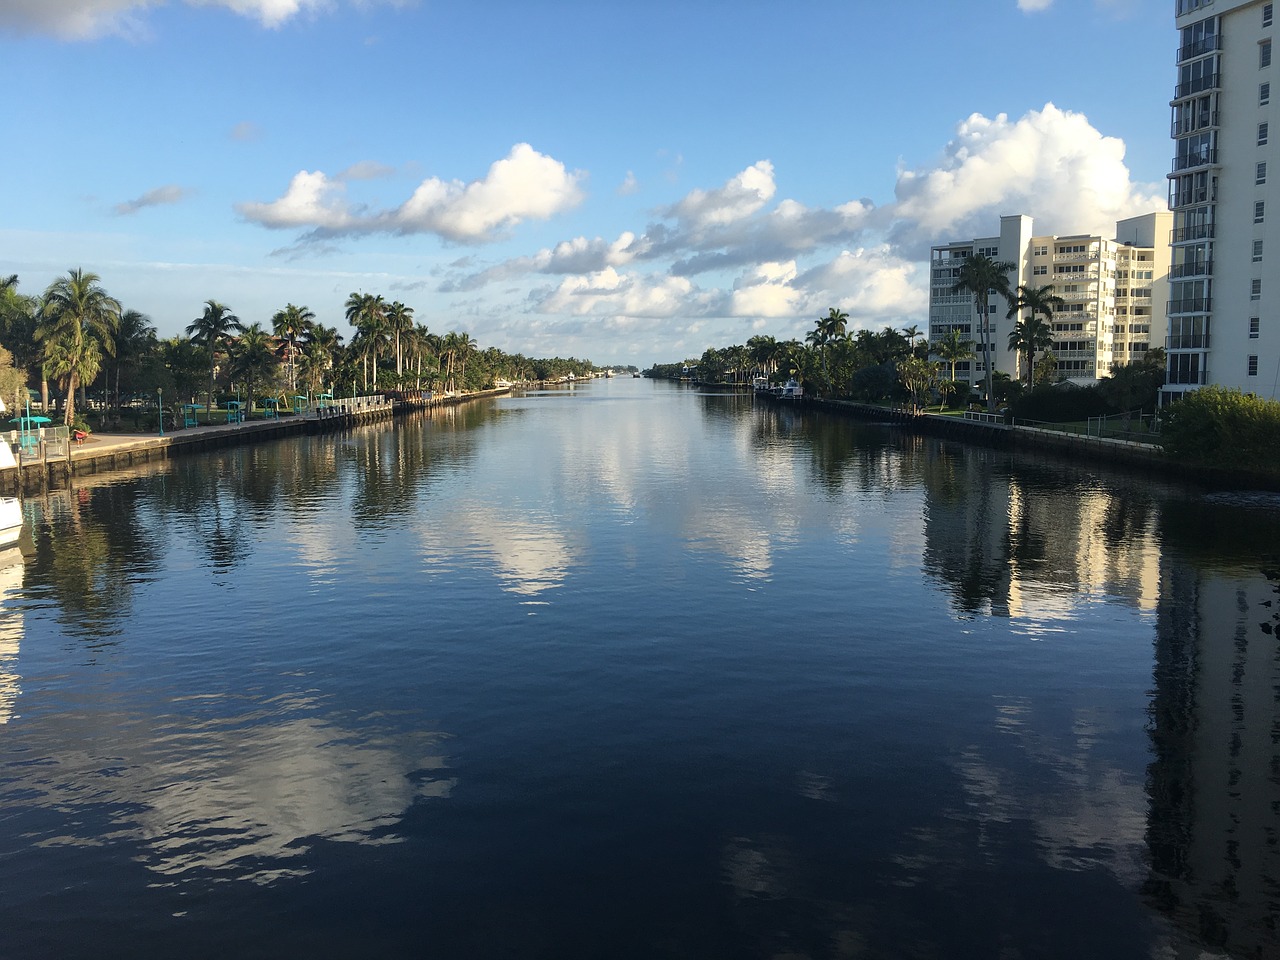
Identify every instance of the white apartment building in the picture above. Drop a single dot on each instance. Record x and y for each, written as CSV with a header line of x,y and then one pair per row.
x,y
1115,291
1223,323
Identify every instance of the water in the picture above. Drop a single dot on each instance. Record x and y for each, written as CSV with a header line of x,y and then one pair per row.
x,y
629,671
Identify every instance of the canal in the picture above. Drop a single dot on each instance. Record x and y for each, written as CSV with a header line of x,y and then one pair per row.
x,y
630,671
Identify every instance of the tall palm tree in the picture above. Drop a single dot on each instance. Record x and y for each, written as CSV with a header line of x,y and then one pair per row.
x,y
367,313
399,320
208,330
981,276
1033,334
290,324
252,358
135,339
78,325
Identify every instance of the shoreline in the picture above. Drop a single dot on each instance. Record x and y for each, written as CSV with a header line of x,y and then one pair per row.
x,y
104,452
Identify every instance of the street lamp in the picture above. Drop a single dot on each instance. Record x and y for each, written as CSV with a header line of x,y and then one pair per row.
x,y
160,404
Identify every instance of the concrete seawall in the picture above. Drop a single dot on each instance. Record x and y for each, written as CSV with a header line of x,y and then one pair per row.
x,y
106,452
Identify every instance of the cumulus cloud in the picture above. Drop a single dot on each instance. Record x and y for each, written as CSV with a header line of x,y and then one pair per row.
x,y
87,19
1050,163
158,197
629,185
738,199
523,185
608,292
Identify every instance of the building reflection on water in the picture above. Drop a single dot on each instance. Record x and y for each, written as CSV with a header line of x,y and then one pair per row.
x,y
1004,541
1213,831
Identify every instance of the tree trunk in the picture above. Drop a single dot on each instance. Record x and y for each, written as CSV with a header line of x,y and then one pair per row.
x,y
69,415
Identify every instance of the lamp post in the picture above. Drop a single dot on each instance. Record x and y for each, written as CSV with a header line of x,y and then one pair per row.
x,y
160,404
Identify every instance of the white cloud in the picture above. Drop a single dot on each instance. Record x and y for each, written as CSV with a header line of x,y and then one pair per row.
x,y
160,196
1051,164
629,185
86,19
1033,6
524,185
608,292
738,199
767,291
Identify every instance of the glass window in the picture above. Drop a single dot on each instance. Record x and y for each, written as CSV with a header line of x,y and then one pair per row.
x,y
1257,251
1255,325
1264,54
1260,172
1255,289
1253,366
1263,131
1266,14
1259,211
1264,94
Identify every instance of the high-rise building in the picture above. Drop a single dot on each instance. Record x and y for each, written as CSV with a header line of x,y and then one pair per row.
x,y
1223,326
1115,291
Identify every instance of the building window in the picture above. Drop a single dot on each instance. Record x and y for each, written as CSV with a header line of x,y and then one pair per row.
x,y
1039,271
1262,134
1264,94
1255,325
1260,174
1259,211
1264,54
1266,14
1255,289
1253,365
1257,251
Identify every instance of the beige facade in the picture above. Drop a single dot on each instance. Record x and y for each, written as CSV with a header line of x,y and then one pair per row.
x,y
1115,292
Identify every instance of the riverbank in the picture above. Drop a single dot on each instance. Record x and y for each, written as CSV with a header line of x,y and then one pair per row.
x,y
105,452
991,430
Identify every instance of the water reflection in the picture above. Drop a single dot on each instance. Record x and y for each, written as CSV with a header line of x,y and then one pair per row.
x,y
222,787
1214,782
846,692
11,628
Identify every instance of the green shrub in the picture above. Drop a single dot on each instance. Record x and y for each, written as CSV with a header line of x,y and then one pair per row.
x,y
1220,426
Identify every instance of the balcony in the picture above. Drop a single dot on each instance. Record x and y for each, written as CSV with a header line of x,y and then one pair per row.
x,y
1190,305
1199,48
1187,341
1197,268
1089,277
1074,335
1201,121
1194,377
1198,85
1201,158
1066,257
1199,231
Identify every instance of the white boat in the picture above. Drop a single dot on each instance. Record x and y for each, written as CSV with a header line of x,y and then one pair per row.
x,y
791,390
10,507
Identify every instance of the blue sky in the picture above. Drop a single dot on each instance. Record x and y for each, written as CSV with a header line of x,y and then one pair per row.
x,y
630,182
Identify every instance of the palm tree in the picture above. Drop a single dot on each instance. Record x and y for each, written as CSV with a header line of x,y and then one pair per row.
x,y
399,320
135,339
208,330
252,358
78,325
981,276
953,348
289,324
1033,334
367,313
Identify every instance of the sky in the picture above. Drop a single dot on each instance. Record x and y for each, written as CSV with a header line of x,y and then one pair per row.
x,y
625,181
